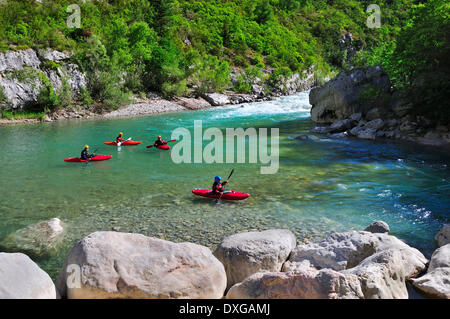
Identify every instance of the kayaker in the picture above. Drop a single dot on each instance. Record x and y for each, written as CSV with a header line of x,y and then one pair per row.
x,y
217,187
119,139
159,142
85,153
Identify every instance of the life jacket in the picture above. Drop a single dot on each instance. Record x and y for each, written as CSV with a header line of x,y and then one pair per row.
x,y
159,142
218,187
85,154
119,139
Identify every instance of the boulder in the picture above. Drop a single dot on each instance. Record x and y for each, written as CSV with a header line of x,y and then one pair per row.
x,y
443,237
378,226
436,282
382,275
245,254
38,240
340,126
53,55
124,265
21,278
367,134
374,124
341,97
346,250
304,284
216,99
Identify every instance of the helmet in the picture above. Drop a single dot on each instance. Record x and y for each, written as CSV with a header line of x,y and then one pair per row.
x,y
159,136
120,133
217,178
86,146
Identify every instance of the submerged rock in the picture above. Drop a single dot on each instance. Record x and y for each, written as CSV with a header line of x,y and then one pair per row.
x,y
378,226
304,284
436,282
125,265
443,237
21,278
39,240
245,254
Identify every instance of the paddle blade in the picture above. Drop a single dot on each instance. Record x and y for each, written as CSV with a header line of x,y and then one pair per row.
x,y
149,146
232,171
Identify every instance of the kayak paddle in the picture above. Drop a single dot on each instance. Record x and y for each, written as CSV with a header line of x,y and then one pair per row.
x,y
93,153
229,176
150,146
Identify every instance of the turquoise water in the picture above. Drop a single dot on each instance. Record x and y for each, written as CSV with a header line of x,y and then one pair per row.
x,y
323,185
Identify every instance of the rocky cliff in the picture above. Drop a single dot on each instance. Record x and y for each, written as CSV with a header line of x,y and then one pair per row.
x,y
24,74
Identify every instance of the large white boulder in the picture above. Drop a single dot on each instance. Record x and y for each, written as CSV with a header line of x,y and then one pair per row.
x,y
303,284
346,250
247,253
21,278
124,265
436,281
382,275
443,237
217,99
40,240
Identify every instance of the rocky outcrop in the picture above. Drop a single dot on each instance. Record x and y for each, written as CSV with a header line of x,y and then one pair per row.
x,y
383,275
21,278
24,73
443,237
345,95
122,265
346,250
378,226
38,240
304,284
436,282
216,99
245,254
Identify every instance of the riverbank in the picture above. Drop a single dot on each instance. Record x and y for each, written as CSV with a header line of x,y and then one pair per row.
x,y
368,264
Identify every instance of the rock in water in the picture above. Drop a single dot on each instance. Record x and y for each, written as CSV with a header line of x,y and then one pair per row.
x,y
123,265
443,237
346,250
436,282
245,254
216,99
21,278
38,240
378,226
304,284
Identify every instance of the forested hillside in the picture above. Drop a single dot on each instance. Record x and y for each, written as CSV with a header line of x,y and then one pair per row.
x,y
177,47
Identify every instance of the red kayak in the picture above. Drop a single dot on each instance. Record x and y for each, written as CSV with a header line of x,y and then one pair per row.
x,y
164,147
227,195
94,159
124,143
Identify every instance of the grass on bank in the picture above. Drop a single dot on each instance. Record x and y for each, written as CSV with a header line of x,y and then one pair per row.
x,y
10,115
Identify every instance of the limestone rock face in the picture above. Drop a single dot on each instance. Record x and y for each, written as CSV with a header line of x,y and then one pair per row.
x,y
123,265
436,282
40,240
378,226
443,237
304,284
17,60
346,250
21,278
247,253
341,97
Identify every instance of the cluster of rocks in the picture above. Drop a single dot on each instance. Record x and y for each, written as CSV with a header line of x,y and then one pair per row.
x,y
24,72
369,264
342,108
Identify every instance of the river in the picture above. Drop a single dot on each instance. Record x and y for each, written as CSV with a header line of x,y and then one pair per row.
x,y
323,185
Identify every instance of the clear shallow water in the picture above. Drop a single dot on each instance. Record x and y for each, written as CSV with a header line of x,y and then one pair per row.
x,y
322,186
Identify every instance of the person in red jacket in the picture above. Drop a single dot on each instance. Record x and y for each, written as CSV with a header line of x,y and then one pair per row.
x,y
217,187
119,139
159,142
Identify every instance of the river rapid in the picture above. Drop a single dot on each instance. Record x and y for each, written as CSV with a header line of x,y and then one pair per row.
x,y
322,186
